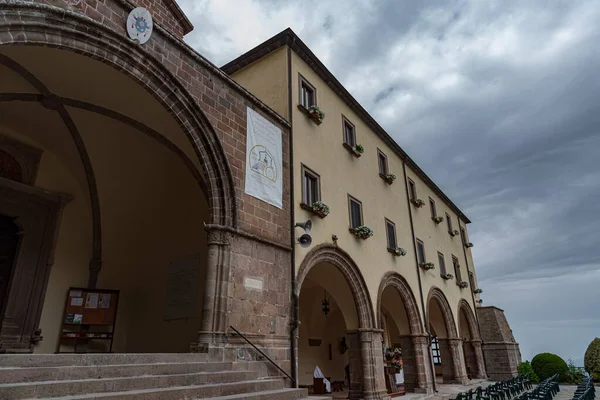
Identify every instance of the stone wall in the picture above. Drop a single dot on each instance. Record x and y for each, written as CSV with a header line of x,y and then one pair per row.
x,y
501,352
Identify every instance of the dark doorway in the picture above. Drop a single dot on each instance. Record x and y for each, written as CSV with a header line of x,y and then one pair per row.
x,y
9,240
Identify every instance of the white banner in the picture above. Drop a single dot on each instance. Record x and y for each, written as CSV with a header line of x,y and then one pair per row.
x,y
264,167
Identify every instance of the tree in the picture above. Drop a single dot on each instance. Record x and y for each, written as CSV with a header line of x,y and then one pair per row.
x,y
591,361
546,365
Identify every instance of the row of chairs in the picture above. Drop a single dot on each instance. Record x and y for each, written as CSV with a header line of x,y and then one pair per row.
x,y
503,390
546,390
585,390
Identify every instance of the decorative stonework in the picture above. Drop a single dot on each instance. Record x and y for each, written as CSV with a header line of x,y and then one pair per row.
x,y
398,282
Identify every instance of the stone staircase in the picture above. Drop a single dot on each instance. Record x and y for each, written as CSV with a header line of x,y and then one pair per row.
x,y
138,377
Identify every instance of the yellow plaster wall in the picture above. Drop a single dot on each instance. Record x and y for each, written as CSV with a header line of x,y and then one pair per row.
x,y
267,80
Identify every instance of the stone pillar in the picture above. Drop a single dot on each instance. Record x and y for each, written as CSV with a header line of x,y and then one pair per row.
x,y
367,380
214,310
479,362
453,361
415,361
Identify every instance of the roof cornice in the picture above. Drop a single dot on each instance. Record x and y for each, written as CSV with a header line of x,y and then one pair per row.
x,y
289,38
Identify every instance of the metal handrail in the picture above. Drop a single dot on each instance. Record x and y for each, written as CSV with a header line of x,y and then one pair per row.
x,y
263,354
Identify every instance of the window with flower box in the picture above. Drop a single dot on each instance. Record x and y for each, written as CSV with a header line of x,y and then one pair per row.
x,y
349,133
311,186
432,208
449,222
355,210
308,94
412,190
390,229
456,270
472,280
383,163
420,252
463,236
442,264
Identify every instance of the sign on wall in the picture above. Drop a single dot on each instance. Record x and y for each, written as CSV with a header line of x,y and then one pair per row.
x,y
139,24
182,288
264,167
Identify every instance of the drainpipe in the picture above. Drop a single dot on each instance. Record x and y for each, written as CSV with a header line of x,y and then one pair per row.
x,y
295,295
425,316
473,295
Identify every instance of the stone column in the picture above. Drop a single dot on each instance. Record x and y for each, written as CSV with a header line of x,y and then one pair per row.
x,y
458,360
415,359
479,372
447,360
214,310
367,379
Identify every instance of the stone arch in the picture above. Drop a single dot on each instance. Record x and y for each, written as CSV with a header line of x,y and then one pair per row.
x,y
449,321
398,282
70,31
464,307
327,253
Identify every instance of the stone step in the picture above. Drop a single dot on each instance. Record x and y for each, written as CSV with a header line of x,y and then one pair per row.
x,y
64,360
271,389
33,374
27,390
282,394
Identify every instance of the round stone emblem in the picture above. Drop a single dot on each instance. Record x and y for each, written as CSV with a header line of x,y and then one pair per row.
x,y
139,24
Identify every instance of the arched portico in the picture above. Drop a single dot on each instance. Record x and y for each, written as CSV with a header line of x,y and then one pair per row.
x,y
443,328
72,36
330,271
469,333
400,315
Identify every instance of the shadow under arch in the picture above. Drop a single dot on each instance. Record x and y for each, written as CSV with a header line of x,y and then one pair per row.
x,y
327,253
70,31
397,281
449,321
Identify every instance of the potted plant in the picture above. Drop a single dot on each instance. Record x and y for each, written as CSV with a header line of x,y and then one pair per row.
x,y
438,220
358,150
398,251
454,233
418,203
320,208
478,291
468,245
448,277
427,266
389,178
316,114
463,285
362,232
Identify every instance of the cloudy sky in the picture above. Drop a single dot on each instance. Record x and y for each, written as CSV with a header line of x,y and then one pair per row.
x,y
499,102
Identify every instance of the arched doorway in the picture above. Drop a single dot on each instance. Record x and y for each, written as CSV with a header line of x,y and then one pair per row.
x,y
403,330
346,334
447,352
145,171
471,340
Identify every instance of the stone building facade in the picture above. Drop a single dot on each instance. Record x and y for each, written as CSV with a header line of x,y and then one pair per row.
x,y
120,159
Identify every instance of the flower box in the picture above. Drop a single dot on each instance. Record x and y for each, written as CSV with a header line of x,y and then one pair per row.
x,y
437,220
362,232
418,203
313,112
318,208
398,251
389,178
356,151
454,233
427,266
463,285
478,291
448,277
468,245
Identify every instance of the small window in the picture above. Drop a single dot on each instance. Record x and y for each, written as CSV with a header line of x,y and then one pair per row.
x,y
435,350
456,270
472,280
449,221
463,235
355,208
349,133
383,163
412,190
442,264
311,186
308,95
432,208
420,252
390,228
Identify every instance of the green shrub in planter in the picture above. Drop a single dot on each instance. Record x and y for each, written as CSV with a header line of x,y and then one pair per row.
x,y
591,360
547,364
526,369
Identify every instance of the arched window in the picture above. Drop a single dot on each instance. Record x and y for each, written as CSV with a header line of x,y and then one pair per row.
x,y
10,168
